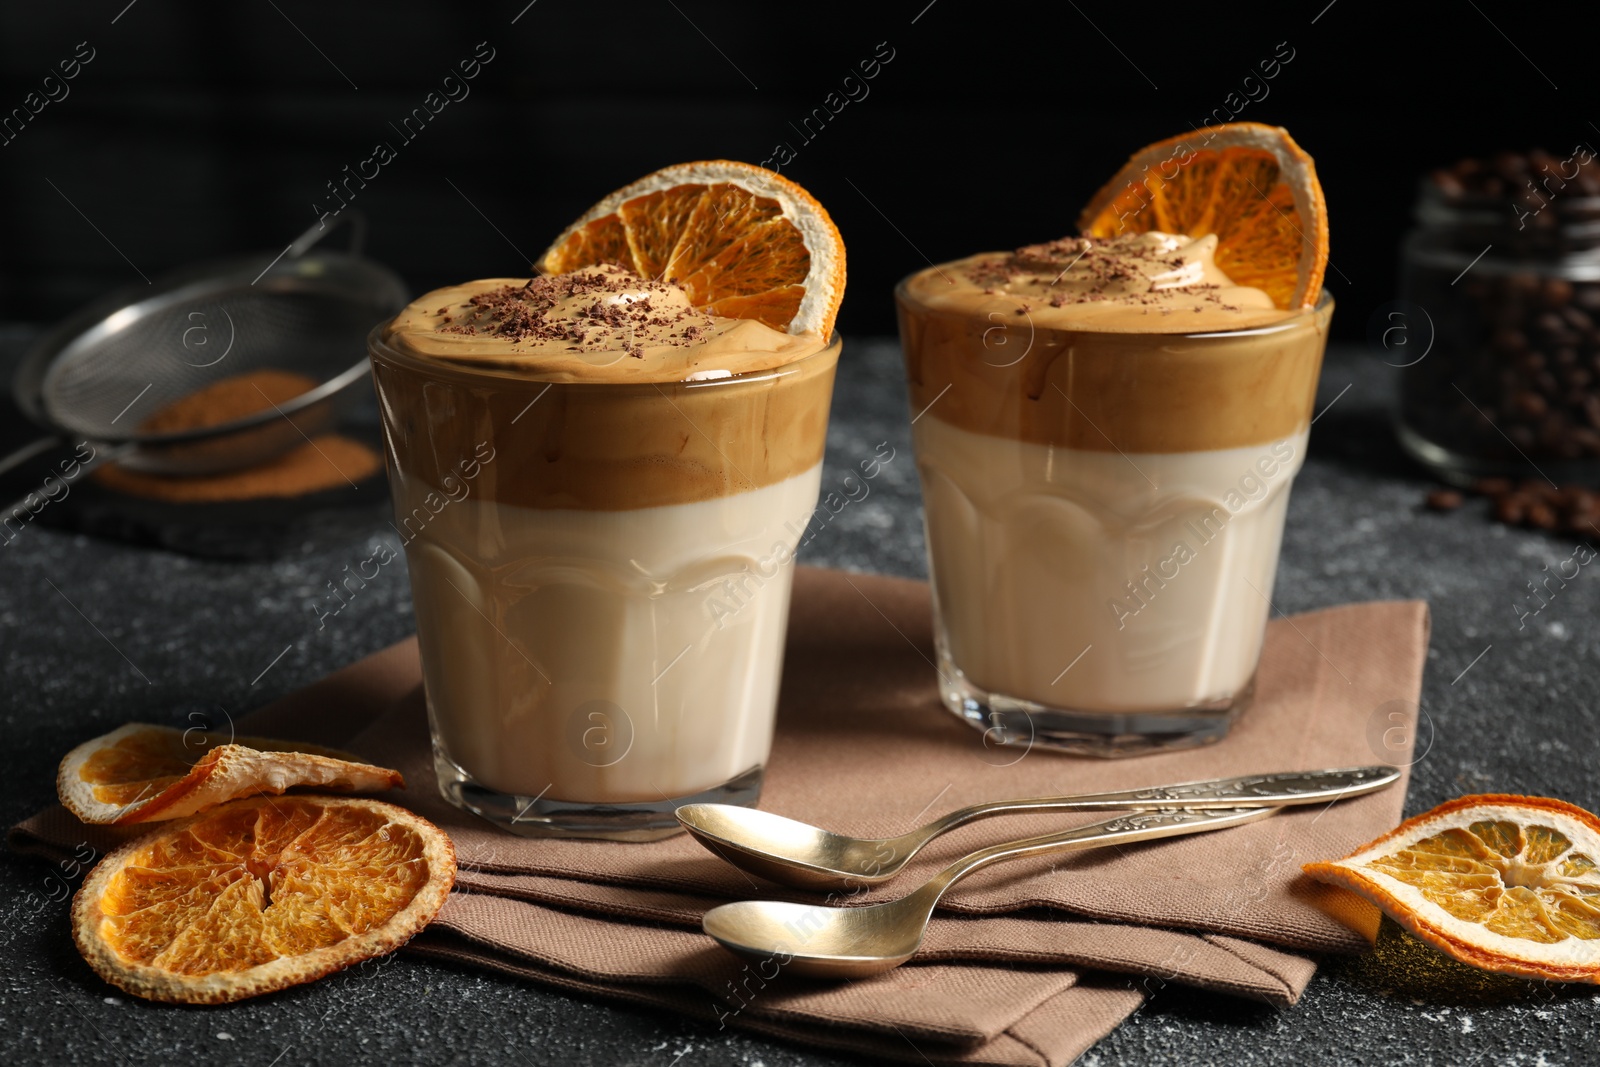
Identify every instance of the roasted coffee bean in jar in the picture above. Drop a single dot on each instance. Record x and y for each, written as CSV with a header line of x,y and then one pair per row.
x,y
1502,275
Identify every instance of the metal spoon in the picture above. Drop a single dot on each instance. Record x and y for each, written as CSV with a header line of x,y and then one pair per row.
x,y
799,854
826,942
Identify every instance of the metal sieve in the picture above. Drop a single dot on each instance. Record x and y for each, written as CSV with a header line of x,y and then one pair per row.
x,y
103,371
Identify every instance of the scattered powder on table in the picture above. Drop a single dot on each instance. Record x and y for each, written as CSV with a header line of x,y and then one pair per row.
x,y
325,462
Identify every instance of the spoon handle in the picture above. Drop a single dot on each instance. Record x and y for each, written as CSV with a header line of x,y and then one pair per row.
x,y
1125,829
1253,790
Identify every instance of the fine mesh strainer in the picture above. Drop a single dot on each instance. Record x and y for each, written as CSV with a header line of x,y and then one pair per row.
x,y
100,374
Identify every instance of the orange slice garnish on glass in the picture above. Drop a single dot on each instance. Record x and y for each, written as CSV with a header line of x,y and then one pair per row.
x,y
1509,884
743,242
144,773
259,895
1249,184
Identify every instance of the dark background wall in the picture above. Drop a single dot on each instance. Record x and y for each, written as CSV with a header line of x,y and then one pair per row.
x,y
203,129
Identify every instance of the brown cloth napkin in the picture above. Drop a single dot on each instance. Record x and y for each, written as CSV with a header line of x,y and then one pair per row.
x,y
1015,969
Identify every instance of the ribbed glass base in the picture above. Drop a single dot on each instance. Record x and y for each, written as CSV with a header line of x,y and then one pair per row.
x,y
543,816
1023,724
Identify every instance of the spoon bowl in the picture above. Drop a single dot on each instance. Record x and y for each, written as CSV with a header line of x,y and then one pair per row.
x,y
794,853
829,942
822,942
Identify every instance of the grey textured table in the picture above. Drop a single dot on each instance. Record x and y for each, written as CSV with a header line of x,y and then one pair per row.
x,y
96,633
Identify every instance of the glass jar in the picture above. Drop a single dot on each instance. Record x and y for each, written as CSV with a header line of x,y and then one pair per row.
x,y
1504,377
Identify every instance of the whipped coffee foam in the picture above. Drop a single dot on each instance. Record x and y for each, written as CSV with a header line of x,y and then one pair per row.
x,y
1137,344
597,324
1144,283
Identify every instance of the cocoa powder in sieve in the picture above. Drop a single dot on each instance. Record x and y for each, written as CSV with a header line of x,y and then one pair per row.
x,y
325,462
228,399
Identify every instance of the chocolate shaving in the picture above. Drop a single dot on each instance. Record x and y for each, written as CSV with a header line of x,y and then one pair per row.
x,y
1101,270
622,315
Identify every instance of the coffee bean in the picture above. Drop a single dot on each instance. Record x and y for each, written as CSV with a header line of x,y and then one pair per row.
x,y
1556,437
1551,325
1533,492
1510,166
1540,175
1572,509
1530,404
1557,292
1444,500
1510,340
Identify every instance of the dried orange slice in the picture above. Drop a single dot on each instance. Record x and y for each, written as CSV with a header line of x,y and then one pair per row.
x,y
743,242
259,895
144,773
1249,184
1506,883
